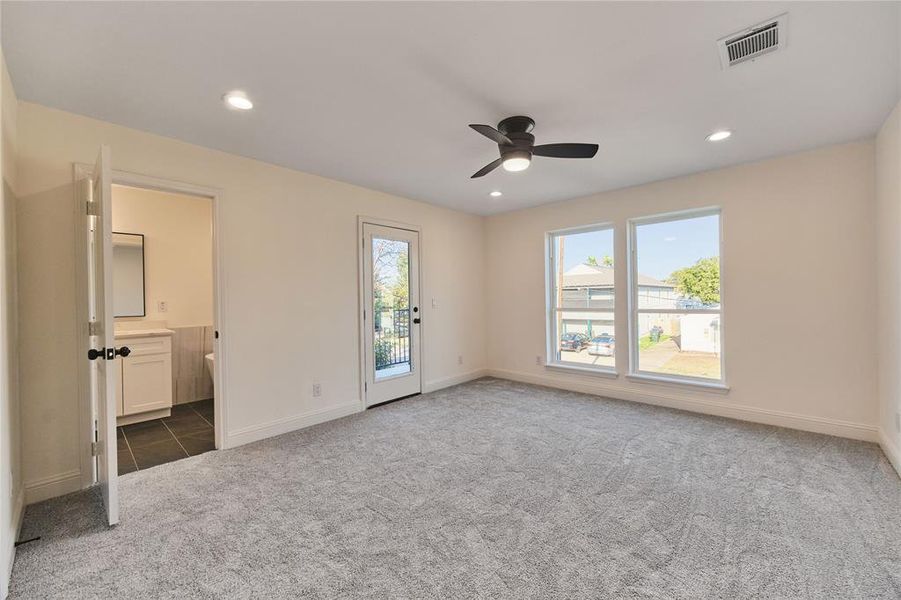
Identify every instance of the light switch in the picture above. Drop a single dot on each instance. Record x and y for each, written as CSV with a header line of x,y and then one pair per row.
x,y
434,302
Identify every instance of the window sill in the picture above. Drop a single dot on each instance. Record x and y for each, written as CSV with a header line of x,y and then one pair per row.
x,y
608,373
709,386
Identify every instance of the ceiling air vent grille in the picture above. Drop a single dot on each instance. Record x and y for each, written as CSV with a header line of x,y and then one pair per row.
x,y
753,42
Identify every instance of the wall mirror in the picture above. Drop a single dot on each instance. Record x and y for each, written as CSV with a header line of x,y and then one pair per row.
x,y
128,275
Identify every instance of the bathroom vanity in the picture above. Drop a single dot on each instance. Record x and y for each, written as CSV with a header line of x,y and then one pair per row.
x,y
144,377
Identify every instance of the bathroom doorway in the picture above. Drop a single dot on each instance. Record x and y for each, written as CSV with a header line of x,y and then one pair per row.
x,y
165,293
162,284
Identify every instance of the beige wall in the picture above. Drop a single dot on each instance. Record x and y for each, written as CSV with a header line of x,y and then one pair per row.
x,y
798,280
178,252
888,236
289,245
11,491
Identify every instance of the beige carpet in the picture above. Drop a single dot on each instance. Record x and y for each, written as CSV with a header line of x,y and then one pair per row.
x,y
490,490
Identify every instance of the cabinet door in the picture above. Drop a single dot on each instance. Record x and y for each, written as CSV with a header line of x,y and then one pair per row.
x,y
147,382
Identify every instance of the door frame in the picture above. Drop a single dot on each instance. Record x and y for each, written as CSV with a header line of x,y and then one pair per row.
x,y
220,421
361,295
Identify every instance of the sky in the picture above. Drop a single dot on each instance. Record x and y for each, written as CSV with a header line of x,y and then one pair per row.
x,y
662,247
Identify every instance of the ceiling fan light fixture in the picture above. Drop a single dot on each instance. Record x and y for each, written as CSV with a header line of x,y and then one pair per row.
x,y
518,160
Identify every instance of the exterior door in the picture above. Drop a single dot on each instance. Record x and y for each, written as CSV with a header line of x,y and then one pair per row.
x,y
102,352
391,313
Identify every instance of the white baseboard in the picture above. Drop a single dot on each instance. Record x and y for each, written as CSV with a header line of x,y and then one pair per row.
x,y
892,452
52,486
699,402
437,384
254,433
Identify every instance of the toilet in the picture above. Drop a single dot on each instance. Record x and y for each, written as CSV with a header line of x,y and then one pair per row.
x,y
209,359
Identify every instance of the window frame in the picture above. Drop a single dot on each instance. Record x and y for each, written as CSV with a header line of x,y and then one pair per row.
x,y
635,373
551,308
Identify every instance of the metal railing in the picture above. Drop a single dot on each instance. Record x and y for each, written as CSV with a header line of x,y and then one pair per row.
x,y
392,337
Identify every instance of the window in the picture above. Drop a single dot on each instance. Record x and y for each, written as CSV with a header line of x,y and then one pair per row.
x,y
676,320
581,298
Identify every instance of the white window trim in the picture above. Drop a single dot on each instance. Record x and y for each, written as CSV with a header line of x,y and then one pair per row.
x,y
635,374
550,260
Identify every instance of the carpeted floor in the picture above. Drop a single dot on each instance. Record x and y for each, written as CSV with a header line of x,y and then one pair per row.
x,y
491,489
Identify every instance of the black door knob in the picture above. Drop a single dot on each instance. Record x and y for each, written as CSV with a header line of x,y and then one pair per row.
x,y
416,320
123,351
95,354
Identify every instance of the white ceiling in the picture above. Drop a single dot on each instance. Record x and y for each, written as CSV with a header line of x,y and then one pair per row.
x,y
380,94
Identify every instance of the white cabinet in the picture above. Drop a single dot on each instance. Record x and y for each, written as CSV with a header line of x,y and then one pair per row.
x,y
144,389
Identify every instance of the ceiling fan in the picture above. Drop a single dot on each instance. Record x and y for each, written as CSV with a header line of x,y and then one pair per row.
x,y
517,146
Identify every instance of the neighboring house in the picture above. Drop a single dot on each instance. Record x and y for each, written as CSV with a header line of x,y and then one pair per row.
x,y
591,286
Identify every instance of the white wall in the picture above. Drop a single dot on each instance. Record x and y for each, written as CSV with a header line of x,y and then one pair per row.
x,y
289,243
178,252
11,490
798,280
888,272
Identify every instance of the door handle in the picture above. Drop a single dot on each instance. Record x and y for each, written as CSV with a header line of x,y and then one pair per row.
x,y
108,353
416,320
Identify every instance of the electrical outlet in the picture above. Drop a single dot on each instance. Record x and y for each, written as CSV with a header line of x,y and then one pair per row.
x,y
460,359
317,390
162,306
434,302
538,360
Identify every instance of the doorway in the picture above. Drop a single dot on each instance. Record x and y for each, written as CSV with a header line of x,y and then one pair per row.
x,y
391,312
129,377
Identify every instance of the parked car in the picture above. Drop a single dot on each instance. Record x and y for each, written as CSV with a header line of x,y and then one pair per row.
x,y
573,341
602,345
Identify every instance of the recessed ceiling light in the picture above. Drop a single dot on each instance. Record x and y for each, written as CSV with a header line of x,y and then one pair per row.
x,y
719,136
496,193
238,99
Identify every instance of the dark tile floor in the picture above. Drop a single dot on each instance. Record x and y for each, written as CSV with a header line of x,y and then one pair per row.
x,y
187,432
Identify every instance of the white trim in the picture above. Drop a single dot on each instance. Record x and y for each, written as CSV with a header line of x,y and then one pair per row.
x,y
607,372
892,452
632,340
671,399
18,514
262,431
444,382
363,220
552,336
216,195
686,382
52,486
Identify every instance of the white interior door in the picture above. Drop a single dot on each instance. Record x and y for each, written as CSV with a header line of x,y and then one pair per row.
x,y
391,313
102,351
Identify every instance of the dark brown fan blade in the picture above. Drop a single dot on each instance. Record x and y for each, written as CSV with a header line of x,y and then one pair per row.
x,y
493,134
566,150
488,168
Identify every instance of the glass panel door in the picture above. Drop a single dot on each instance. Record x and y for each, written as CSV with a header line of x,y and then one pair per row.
x,y
391,307
392,313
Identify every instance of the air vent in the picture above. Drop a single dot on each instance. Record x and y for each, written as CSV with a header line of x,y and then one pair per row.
x,y
753,42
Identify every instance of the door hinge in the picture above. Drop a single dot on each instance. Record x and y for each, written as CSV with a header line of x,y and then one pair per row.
x,y
94,328
96,448
92,208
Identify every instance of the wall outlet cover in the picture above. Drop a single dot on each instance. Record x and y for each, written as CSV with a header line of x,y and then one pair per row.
x,y
162,306
317,390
